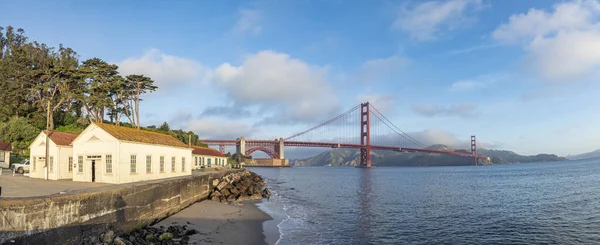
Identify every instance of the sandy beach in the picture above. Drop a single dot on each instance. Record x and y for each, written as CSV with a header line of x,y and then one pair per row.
x,y
222,224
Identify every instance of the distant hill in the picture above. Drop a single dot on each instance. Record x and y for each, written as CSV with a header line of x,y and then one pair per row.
x,y
503,157
592,154
351,157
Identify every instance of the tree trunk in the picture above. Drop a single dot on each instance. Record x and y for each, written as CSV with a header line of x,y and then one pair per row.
x,y
137,111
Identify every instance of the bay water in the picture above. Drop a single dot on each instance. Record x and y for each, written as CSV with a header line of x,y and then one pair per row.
x,y
528,203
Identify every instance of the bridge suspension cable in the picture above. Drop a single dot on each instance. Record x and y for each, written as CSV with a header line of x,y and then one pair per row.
x,y
338,117
395,128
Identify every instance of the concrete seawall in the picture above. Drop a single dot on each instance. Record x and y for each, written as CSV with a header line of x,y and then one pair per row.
x,y
65,219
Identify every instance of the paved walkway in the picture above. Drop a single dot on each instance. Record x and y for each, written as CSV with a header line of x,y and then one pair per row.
x,y
23,186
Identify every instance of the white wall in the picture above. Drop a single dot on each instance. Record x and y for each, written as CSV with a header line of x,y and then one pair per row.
x,y
203,161
6,159
93,141
63,162
155,151
38,149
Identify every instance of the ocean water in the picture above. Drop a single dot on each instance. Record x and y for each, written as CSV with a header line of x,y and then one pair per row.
x,y
531,203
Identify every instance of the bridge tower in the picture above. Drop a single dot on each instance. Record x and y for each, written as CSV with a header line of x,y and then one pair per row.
x,y
222,148
365,136
240,146
474,149
278,147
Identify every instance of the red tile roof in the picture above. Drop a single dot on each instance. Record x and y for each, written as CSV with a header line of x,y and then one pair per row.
x,y
61,138
5,146
199,150
140,135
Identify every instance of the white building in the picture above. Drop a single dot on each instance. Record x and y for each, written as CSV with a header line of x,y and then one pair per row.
x,y
113,154
208,158
5,150
60,156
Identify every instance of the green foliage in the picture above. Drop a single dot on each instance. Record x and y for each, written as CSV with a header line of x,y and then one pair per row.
x,y
71,128
19,132
164,127
42,85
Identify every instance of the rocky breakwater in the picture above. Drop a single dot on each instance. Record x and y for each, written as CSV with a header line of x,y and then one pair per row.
x,y
173,235
237,187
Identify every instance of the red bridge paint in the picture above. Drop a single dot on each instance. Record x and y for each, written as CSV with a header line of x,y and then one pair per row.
x,y
272,147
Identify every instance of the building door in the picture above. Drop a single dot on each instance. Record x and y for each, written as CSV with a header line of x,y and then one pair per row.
x,y
93,170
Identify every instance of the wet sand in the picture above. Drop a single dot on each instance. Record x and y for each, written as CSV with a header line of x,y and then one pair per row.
x,y
222,224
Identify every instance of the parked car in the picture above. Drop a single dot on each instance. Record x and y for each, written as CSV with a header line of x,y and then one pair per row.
x,y
21,167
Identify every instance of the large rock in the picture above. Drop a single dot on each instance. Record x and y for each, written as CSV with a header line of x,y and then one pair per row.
x,y
225,192
121,241
231,198
222,185
215,182
266,193
108,237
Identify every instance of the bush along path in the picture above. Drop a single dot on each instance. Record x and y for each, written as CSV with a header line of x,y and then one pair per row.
x,y
237,187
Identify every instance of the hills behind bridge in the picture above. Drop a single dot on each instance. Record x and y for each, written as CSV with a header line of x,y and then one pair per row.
x,y
351,157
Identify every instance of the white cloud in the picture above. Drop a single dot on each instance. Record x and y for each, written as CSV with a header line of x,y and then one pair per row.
x,y
563,43
478,82
382,102
213,128
277,82
426,20
435,136
460,110
378,69
164,69
248,22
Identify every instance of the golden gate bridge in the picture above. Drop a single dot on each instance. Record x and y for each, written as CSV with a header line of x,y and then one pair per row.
x,y
362,127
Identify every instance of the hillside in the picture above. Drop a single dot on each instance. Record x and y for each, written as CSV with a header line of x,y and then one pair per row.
x,y
592,154
351,157
504,157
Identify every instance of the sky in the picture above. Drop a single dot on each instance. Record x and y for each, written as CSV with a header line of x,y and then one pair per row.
x,y
520,75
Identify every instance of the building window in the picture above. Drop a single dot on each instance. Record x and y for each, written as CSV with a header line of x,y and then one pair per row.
x,y
209,162
132,164
108,164
80,164
149,164
196,161
183,164
202,161
51,165
70,164
2,156
162,164
34,163
172,164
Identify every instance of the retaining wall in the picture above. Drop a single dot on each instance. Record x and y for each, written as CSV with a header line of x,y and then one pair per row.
x,y
65,219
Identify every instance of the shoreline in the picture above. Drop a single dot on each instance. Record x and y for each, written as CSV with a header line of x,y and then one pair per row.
x,y
219,223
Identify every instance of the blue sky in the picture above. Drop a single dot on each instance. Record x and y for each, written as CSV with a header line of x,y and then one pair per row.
x,y
521,75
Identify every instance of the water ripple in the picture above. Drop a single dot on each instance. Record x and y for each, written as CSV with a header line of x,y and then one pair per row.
x,y
545,203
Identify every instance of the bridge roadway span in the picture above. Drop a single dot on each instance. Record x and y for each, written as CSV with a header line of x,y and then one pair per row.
x,y
271,143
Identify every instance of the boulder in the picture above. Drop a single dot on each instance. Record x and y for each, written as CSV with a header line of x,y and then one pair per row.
x,y
108,237
215,182
165,236
225,192
231,198
266,193
121,241
235,191
215,199
222,185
